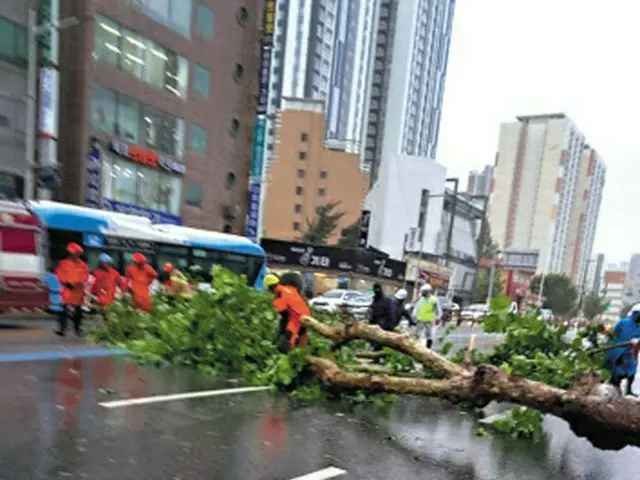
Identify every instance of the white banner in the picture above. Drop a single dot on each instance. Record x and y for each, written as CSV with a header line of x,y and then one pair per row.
x,y
48,110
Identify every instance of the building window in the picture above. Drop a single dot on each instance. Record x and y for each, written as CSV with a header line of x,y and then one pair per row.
x,y
194,193
127,182
321,192
128,119
205,21
234,128
302,155
5,122
197,139
107,41
238,73
242,16
299,190
163,132
175,14
201,80
296,226
141,57
300,173
227,228
323,174
304,137
103,109
297,208
230,181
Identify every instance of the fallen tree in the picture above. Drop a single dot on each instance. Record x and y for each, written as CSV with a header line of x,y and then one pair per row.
x,y
589,409
231,332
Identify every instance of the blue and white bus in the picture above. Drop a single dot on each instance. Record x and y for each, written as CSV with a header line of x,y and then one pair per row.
x,y
121,235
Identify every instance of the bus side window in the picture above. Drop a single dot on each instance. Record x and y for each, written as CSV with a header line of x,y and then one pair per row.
x,y
238,264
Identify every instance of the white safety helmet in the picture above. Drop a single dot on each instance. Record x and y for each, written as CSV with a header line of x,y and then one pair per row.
x,y
401,294
634,309
426,288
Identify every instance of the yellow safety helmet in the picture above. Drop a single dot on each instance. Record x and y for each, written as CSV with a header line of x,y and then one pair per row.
x,y
270,280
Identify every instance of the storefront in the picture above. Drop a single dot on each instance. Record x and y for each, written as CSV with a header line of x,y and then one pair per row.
x,y
124,177
423,271
324,267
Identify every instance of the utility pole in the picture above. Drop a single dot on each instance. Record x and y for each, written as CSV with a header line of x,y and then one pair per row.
x,y
454,207
46,129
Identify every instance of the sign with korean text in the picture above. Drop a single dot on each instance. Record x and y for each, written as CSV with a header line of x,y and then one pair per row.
x,y
253,212
146,157
263,79
48,117
257,153
268,21
130,209
94,176
365,220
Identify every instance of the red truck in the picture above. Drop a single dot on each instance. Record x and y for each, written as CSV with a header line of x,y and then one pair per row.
x,y
22,260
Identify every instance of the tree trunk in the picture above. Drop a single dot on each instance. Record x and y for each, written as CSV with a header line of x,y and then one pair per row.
x,y
608,422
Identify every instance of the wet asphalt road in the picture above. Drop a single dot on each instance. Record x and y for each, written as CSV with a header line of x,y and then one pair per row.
x,y
53,427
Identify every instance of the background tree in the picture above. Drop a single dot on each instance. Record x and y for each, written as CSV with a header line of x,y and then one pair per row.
x,y
482,284
324,224
350,236
559,290
624,311
485,245
593,305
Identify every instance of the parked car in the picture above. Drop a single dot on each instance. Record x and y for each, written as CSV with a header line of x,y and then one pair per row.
x,y
359,306
474,312
331,300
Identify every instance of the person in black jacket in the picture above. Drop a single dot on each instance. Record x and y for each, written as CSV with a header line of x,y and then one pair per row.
x,y
381,313
400,308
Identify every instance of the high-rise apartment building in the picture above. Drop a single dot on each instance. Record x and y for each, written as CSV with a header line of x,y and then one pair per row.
x,y
479,183
321,51
594,275
410,58
546,192
634,273
157,107
16,176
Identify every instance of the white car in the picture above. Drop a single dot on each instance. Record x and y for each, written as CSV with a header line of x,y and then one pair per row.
x,y
330,301
359,306
474,312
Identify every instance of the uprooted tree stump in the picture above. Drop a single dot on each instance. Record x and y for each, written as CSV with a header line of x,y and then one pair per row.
x,y
607,421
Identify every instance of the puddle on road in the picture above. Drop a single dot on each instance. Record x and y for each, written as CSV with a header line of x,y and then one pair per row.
x,y
446,435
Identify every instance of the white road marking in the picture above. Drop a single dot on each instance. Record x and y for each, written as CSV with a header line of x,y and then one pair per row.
x,y
179,396
324,474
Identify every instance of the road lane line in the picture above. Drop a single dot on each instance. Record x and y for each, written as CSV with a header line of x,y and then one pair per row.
x,y
324,474
60,355
179,396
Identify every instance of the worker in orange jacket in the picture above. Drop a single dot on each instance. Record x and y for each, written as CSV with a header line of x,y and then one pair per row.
x,y
292,307
106,282
140,275
72,273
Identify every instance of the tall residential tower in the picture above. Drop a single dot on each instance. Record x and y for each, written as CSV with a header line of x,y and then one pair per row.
x,y
546,192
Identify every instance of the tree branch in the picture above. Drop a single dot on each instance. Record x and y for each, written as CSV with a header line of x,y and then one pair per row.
x,y
401,342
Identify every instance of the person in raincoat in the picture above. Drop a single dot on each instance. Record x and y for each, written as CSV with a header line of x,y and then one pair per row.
x,y
140,275
622,362
292,307
72,273
106,282
176,285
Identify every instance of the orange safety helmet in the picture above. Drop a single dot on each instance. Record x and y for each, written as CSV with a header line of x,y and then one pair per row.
x,y
167,267
139,258
74,249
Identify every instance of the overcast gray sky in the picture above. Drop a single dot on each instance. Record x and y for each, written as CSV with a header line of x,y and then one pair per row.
x,y
580,57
